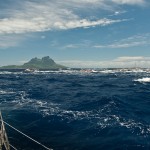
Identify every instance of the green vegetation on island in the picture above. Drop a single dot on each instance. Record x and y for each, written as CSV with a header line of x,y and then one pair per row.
x,y
35,63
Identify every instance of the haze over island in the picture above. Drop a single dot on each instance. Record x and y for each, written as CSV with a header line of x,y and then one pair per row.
x,y
76,33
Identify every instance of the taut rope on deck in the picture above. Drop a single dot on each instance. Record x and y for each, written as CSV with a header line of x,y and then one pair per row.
x,y
28,136
13,147
9,145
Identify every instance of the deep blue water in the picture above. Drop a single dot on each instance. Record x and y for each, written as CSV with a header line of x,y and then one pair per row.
x,y
77,111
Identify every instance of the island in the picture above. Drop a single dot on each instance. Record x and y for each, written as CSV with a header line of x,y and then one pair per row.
x,y
46,63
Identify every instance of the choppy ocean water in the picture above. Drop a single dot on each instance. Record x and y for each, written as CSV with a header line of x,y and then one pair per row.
x,y
107,110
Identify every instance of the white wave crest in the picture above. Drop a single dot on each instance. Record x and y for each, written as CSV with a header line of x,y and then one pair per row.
x,y
6,92
147,79
138,128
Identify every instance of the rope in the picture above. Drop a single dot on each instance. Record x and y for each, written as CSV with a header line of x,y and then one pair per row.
x,y
27,136
12,147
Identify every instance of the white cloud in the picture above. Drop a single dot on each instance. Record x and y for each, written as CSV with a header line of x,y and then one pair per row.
x,y
130,2
13,40
43,24
121,45
116,13
132,58
51,15
71,46
35,16
134,41
120,62
102,3
82,44
43,37
9,41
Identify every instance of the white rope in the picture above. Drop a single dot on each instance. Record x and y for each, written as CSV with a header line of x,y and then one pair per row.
x,y
28,136
12,147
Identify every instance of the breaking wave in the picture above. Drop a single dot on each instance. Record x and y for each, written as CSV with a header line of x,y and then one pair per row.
x,y
145,79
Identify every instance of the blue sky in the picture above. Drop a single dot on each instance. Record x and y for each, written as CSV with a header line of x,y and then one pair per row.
x,y
76,33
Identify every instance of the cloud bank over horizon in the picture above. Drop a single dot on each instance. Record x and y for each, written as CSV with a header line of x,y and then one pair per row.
x,y
120,62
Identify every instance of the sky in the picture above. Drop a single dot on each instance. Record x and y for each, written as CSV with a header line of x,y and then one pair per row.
x,y
76,33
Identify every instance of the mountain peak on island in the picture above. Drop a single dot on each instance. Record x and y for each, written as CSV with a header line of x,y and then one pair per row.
x,y
44,63
36,63
47,59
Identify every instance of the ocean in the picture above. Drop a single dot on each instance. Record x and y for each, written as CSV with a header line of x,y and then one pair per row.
x,y
77,110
